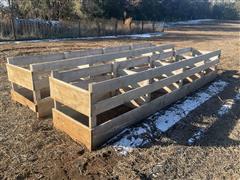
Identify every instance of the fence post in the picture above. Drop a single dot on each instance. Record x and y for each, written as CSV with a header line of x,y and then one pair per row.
x,y
115,27
79,28
142,26
153,26
130,27
13,27
98,27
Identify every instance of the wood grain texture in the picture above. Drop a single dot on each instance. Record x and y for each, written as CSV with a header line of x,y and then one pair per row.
x,y
73,62
27,60
74,129
20,76
23,100
69,95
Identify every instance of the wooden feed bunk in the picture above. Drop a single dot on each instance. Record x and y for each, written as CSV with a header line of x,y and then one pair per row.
x,y
29,74
94,103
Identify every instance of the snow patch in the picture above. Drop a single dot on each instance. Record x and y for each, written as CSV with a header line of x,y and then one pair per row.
x,y
227,106
196,136
131,36
181,110
161,121
189,22
237,97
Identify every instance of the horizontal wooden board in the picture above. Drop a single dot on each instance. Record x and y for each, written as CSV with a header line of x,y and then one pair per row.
x,y
23,100
20,76
183,50
69,63
75,74
115,101
74,129
110,128
124,81
69,95
27,60
143,60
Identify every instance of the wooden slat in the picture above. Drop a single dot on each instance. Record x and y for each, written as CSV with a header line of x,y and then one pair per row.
x,y
69,95
74,129
106,130
23,100
20,76
75,74
117,49
183,50
83,53
84,83
143,60
69,63
141,45
131,62
115,101
27,60
124,81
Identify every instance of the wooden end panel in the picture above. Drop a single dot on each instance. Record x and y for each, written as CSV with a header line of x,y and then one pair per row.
x,y
74,129
23,100
44,107
69,95
20,76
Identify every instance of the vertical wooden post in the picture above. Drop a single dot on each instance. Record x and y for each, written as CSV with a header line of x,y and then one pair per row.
x,y
116,27
153,26
151,80
14,86
79,28
130,27
92,117
36,96
36,93
114,75
57,105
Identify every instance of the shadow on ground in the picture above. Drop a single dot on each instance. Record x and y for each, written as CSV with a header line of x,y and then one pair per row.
x,y
217,129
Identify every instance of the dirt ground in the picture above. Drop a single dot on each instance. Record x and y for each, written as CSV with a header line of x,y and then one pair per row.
x,y
33,149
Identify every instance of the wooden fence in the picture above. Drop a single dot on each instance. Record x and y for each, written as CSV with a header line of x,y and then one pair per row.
x,y
40,29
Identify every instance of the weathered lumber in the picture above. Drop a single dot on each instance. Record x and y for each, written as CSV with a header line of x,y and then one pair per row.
x,y
128,80
21,76
69,63
27,60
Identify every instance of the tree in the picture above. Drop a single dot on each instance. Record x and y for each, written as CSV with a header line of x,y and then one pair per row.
x,y
92,8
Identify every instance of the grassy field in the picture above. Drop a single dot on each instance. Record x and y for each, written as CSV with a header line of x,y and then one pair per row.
x,y
33,149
